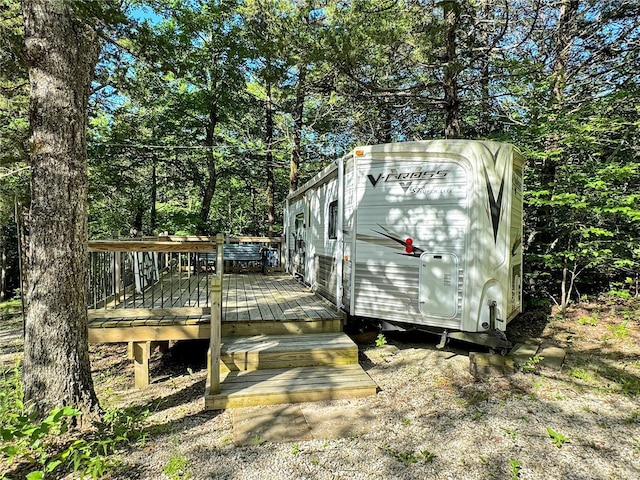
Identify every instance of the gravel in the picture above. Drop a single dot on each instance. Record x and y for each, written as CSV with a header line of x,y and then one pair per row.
x,y
434,420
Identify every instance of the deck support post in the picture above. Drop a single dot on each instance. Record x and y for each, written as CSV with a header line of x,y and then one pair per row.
x,y
219,255
141,354
213,355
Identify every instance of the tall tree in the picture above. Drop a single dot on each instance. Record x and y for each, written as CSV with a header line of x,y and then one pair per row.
x,y
575,82
62,50
14,172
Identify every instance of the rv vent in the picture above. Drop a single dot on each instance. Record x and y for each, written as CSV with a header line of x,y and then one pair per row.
x,y
447,279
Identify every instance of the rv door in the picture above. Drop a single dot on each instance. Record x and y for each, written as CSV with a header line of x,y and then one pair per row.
x,y
438,295
298,252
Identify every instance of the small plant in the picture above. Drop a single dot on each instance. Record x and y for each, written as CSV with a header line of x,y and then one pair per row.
x,y
558,438
295,449
477,416
630,386
580,373
636,445
427,456
48,447
515,466
531,364
381,340
256,440
406,421
620,332
178,467
10,306
408,457
512,433
558,395
592,320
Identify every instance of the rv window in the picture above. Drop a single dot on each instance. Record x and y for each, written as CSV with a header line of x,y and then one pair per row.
x,y
333,220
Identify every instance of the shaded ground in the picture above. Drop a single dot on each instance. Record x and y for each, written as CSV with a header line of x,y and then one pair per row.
x,y
430,419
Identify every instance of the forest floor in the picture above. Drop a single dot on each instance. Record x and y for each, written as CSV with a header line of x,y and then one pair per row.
x,y
430,419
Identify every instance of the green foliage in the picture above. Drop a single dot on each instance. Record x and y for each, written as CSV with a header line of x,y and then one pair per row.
x,y
558,438
381,340
49,447
512,433
532,364
515,466
592,320
11,306
14,86
178,467
407,457
621,331
180,99
580,373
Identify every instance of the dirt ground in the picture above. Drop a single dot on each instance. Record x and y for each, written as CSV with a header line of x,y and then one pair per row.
x,y
430,418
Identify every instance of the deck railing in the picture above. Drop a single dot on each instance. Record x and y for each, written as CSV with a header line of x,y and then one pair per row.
x,y
166,276
145,274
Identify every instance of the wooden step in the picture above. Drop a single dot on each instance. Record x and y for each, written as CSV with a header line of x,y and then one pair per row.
x,y
291,385
280,351
282,327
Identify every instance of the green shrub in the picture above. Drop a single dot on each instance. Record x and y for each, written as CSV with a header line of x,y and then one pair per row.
x,y
46,447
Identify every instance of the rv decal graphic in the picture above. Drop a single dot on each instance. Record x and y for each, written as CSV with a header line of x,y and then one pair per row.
x,y
516,244
410,250
495,204
406,179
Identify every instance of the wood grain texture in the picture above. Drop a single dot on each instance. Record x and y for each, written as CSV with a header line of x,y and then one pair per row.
x,y
291,385
280,351
149,246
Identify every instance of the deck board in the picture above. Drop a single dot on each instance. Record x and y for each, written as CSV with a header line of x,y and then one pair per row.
x,y
290,385
285,351
248,299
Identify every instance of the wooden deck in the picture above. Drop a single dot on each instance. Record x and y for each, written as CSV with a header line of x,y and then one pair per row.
x,y
277,341
252,304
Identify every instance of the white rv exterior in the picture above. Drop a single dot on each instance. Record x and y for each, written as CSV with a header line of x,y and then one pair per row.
x,y
422,233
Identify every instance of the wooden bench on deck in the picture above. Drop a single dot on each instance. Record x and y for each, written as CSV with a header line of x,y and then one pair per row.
x,y
238,253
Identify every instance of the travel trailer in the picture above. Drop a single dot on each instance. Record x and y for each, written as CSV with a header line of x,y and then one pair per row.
x,y
417,235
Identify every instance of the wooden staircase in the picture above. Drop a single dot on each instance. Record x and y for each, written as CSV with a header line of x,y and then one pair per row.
x,y
289,368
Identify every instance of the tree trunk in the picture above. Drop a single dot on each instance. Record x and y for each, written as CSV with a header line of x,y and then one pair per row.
x,y
271,183
154,195
298,123
484,129
61,53
566,32
564,300
383,125
3,277
210,186
450,82
137,229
